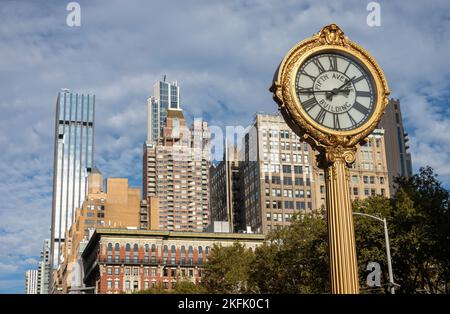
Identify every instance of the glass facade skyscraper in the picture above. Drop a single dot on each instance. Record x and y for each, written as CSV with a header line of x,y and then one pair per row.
x,y
166,95
73,161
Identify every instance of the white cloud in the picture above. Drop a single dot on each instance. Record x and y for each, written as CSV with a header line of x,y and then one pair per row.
x,y
223,55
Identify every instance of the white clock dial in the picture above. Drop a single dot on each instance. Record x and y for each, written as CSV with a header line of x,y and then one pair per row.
x,y
336,91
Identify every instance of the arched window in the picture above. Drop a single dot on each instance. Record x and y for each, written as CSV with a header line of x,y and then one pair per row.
x,y
200,256
172,254
207,250
146,248
136,248
183,255
128,247
117,247
153,248
191,255
109,247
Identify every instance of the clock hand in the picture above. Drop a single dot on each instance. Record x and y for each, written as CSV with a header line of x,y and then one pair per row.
x,y
335,91
322,91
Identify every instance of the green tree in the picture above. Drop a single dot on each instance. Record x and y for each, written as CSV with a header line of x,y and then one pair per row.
x,y
227,269
293,259
421,234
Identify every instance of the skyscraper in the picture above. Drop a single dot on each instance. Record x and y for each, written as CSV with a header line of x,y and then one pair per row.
x,y
73,161
279,175
225,200
166,96
176,173
44,269
31,279
397,155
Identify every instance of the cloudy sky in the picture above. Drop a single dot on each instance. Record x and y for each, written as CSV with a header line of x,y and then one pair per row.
x,y
223,55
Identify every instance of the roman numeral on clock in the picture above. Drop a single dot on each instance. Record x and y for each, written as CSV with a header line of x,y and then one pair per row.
x,y
319,65
303,90
363,94
356,80
303,72
351,118
309,104
360,108
336,122
333,63
321,115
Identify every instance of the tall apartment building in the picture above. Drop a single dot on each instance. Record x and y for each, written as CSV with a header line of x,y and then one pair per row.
x,y
116,206
175,171
397,156
280,177
73,161
276,174
44,269
225,201
166,96
31,282
368,174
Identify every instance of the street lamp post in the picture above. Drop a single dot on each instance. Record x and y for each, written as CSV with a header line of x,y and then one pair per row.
x,y
388,248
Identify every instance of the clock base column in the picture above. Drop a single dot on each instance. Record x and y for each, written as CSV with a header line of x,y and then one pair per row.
x,y
344,277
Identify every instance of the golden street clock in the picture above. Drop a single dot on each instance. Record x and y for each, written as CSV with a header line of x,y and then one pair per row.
x,y
330,90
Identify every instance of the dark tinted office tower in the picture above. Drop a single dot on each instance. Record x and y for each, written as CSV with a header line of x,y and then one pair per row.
x,y
73,161
397,156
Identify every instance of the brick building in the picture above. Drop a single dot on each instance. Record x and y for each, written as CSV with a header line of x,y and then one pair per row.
x,y
124,260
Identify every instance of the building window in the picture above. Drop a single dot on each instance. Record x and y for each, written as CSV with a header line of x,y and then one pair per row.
x,y
116,271
153,272
109,270
127,271
381,180
366,192
135,285
355,191
146,286
136,271
127,285
116,284
109,284
372,180
366,179
128,247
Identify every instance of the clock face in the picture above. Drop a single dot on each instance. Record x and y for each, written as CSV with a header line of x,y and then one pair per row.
x,y
335,91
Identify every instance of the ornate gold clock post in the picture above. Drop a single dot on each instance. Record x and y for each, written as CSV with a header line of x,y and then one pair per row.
x,y
332,93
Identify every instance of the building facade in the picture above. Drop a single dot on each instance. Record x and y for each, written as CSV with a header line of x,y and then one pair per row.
x,y
44,269
116,206
397,156
73,161
368,174
225,201
166,96
31,282
120,260
279,175
176,172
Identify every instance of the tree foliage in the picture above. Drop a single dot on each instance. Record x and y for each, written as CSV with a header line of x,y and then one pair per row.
x,y
294,259
227,269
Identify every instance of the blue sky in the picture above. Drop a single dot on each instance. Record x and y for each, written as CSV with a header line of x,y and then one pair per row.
x,y
223,55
